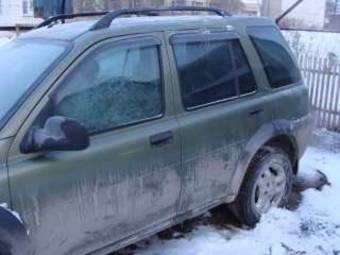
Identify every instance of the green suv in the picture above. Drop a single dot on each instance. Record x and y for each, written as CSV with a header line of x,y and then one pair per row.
x,y
115,128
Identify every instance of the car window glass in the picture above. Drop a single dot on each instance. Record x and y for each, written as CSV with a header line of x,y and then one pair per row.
x,y
206,72
19,76
113,87
245,76
278,64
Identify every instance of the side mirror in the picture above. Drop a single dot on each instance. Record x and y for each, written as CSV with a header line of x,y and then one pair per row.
x,y
58,134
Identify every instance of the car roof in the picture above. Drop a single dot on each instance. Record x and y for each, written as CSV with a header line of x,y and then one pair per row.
x,y
67,31
130,25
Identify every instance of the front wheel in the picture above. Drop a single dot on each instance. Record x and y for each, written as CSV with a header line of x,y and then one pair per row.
x,y
267,184
4,250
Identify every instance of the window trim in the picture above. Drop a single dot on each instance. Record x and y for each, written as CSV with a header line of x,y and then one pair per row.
x,y
251,70
287,86
148,41
202,37
189,109
217,36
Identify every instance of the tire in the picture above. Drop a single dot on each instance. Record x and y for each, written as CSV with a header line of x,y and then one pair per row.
x,y
4,250
267,184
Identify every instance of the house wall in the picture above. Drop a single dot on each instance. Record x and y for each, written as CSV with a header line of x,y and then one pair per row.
x,y
334,23
187,2
311,13
251,7
11,14
337,8
272,9
90,5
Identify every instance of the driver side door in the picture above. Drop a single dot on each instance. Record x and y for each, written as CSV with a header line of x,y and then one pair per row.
x,y
129,178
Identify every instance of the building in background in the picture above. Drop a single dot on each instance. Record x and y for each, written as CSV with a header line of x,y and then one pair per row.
x,y
251,7
232,6
337,7
48,8
245,7
310,14
17,12
334,15
315,14
271,8
100,5
248,7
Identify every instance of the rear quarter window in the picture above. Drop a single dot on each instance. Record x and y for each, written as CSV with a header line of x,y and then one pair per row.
x,y
278,64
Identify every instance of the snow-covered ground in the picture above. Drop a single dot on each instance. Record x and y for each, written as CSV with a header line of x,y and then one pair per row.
x,y
312,228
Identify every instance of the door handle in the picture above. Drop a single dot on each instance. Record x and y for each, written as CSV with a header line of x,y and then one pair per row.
x,y
256,112
161,138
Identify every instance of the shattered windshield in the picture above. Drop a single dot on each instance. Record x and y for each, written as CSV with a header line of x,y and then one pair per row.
x,y
22,63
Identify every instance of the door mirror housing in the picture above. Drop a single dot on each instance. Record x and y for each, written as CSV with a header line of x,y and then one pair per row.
x,y
58,134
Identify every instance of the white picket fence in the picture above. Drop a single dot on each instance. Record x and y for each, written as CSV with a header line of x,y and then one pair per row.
x,y
322,75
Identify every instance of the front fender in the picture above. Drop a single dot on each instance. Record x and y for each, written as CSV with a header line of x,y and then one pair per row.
x,y
13,233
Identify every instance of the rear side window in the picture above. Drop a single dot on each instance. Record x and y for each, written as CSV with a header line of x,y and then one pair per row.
x,y
211,70
244,75
277,62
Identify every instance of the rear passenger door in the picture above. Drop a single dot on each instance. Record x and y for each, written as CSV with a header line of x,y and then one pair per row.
x,y
217,100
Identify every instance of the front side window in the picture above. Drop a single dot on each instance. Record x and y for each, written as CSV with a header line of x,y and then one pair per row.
x,y
211,71
114,86
277,62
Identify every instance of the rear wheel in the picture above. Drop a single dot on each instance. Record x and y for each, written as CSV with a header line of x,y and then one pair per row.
x,y
267,184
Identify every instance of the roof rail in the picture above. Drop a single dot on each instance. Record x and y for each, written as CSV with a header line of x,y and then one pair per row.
x,y
106,21
64,17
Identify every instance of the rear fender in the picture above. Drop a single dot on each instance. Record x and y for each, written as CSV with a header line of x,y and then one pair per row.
x,y
298,131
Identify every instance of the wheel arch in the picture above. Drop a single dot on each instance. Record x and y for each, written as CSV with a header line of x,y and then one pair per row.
x,y
280,134
13,233
289,145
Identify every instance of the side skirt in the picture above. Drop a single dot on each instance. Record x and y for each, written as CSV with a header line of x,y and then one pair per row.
x,y
156,228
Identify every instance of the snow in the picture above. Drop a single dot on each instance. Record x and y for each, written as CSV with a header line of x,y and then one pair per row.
x,y
313,228
3,40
